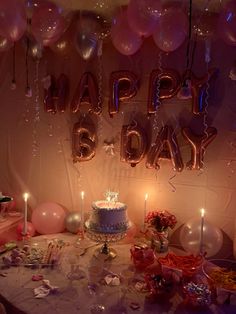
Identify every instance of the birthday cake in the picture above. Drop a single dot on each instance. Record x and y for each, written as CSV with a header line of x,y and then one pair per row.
x,y
108,217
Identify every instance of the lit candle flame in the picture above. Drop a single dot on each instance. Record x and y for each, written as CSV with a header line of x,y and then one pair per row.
x,y
82,195
146,196
108,198
25,196
202,212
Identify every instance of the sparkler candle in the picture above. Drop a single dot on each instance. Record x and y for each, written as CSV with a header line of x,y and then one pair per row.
x,y
201,230
25,197
145,210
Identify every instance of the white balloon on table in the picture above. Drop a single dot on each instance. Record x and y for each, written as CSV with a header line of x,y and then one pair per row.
x,y
190,237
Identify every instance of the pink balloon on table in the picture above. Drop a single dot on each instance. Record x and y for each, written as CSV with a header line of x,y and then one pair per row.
x,y
12,19
171,29
49,218
125,40
30,229
143,16
47,23
227,23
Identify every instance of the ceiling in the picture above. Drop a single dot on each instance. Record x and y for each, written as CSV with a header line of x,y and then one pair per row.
x,y
109,6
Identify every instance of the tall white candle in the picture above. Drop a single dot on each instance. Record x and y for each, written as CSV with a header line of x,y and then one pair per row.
x,y
25,197
201,231
82,211
145,209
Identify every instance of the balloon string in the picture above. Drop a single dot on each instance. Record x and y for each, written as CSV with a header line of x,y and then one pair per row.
x,y
171,184
35,145
26,63
14,64
189,35
158,89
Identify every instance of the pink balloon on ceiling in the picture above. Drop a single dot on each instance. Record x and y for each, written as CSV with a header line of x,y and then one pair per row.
x,y
171,29
47,23
143,16
227,23
125,40
12,19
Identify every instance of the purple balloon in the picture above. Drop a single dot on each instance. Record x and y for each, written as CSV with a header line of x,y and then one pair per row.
x,y
12,19
227,23
47,23
143,16
171,30
125,40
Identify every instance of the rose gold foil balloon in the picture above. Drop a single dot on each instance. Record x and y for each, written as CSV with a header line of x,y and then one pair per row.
x,y
170,83
129,152
123,85
198,144
165,147
86,93
83,142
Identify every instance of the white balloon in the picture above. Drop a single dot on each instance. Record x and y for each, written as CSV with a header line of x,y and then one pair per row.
x,y
190,237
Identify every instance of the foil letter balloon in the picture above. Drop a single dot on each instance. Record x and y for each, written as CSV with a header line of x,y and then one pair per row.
x,y
165,147
162,85
83,142
133,144
86,93
56,95
198,90
198,144
123,85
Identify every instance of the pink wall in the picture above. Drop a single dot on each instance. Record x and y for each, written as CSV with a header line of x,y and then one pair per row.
x,y
51,175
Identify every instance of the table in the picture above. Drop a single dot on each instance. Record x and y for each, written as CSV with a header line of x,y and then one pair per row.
x,y
81,296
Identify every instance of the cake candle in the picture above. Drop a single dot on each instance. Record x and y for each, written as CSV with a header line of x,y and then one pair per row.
x,y
25,197
201,230
82,211
145,210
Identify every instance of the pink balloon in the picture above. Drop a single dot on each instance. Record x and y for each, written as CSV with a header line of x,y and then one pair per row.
x,y
49,218
171,30
12,19
47,23
227,23
125,40
30,229
143,16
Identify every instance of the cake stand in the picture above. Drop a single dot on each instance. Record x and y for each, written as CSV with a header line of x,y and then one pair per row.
x,y
105,238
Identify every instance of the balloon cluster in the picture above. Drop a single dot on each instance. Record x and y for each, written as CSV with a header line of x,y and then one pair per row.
x,y
47,24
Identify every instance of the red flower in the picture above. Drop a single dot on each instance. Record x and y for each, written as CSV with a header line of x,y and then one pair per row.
x,y
161,220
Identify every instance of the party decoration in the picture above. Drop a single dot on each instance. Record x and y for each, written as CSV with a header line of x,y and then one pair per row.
x,y
123,85
205,24
142,256
29,231
35,49
5,44
124,39
48,218
198,89
47,23
86,93
171,29
169,81
190,237
185,90
129,152
198,144
12,19
143,15
86,43
83,142
197,294
56,95
187,265
165,147
73,222
227,23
